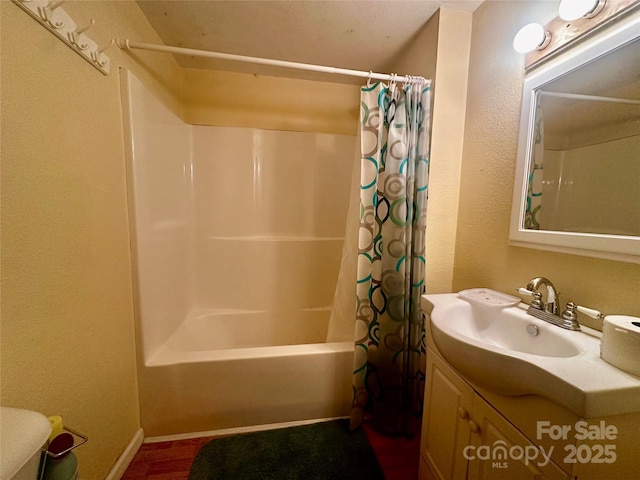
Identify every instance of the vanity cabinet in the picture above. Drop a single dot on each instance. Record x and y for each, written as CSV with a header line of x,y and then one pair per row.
x,y
503,419
445,428
457,422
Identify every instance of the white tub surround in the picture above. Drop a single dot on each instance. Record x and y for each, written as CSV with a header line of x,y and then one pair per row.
x,y
237,239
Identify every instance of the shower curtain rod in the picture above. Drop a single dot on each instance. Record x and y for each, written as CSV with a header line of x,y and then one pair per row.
x,y
127,44
578,96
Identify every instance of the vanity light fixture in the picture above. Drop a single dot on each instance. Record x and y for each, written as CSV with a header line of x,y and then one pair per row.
x,y
531,37
573,9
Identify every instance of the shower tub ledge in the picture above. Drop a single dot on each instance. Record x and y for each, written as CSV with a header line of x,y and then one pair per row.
x,y
211,375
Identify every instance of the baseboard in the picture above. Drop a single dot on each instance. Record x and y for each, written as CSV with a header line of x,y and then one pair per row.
x,y
125,458
236,430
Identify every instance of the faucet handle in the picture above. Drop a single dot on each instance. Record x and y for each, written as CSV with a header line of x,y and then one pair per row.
x,y
537,298
524,291
590,312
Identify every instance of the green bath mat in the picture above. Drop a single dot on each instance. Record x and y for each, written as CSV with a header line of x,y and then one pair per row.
x,y
321,451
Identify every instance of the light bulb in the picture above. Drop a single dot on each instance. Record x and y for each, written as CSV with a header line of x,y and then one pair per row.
x,y
529,37
574,9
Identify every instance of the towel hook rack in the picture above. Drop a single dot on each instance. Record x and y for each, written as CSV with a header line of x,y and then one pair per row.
x,y
51,15
75,35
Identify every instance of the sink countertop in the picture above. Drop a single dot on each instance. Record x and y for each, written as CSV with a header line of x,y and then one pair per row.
x,y
582,382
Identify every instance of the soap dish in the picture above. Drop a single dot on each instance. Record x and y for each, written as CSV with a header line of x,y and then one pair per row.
x,y
489,298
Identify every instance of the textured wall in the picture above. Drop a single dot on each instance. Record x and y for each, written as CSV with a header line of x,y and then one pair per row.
x,y
67,310
483,256
441,52
276,103
454,34
67,304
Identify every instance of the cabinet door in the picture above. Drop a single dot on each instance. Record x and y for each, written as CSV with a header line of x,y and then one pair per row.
x,y
492,431
445,432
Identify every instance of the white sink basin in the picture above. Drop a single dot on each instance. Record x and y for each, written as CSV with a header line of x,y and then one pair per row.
x,y
493,348
500,329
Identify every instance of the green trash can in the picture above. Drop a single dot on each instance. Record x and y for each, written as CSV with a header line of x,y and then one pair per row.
x,y
65,468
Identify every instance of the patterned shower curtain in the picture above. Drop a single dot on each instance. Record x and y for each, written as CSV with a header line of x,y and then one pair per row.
x,y
533,213
389,368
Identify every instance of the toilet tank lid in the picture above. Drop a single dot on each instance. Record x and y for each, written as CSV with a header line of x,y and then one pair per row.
x,y
22,434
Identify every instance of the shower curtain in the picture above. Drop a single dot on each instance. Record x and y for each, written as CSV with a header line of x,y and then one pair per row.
x,y
388,380
533,212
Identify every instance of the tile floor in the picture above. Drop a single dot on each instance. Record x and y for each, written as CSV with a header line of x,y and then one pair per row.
x,y
398,458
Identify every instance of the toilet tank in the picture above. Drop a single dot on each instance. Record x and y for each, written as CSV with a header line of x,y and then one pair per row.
x,y
23,433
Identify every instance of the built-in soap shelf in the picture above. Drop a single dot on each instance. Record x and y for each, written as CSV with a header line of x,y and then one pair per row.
x,y
51,15
488,297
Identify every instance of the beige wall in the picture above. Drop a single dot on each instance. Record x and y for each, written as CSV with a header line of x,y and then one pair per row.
x,y
483,257
421,56
449,109
276,103
441,52
67,312
68,308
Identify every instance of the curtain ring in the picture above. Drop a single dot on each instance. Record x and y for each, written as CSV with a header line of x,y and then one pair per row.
x,y
392,83
369,79
409,83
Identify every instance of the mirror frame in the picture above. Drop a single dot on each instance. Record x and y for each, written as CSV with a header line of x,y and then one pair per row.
x,y
612,247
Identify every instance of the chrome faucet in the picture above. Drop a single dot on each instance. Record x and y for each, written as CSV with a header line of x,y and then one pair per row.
x,y
551,300
548,310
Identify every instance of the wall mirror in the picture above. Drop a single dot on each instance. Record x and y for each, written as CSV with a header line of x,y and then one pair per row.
x,y
577,187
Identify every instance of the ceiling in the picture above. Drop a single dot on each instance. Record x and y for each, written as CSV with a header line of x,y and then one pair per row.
x,y
354,34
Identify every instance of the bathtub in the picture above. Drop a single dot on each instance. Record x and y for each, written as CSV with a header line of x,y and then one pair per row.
x,y
247,225
236,368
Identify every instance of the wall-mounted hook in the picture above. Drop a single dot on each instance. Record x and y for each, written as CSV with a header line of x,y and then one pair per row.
x,y
75,36
97,54
54,18
47,12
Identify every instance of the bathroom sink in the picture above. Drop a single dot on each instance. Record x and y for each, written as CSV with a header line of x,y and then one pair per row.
x,y
507,329
509,352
